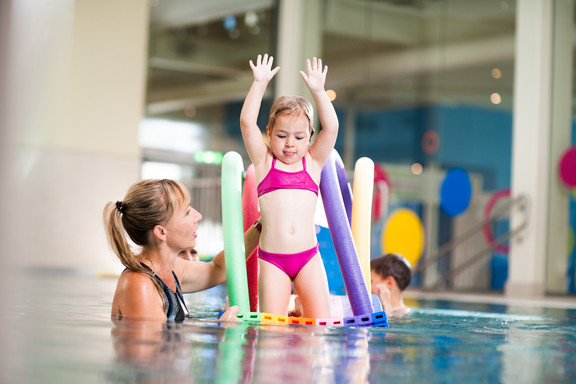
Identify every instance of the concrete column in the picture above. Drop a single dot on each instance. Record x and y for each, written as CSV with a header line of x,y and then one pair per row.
x,y
349,134
533,152
431,177
77,71
560,139
299,38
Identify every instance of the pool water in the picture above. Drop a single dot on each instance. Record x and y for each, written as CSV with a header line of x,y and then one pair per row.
x,y
62,333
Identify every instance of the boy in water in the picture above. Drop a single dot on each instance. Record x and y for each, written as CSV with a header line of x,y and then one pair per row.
x,y
390,274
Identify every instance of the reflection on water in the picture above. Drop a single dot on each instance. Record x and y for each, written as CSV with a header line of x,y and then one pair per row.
x,y
148,351
65,335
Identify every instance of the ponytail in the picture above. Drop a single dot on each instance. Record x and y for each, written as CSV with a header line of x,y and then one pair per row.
x,y
147,204
119,242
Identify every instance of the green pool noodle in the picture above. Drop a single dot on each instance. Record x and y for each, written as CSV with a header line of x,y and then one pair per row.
x,y
232,170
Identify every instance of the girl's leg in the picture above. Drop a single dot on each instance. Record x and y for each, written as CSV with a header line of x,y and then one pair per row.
x,y
311,284
274,288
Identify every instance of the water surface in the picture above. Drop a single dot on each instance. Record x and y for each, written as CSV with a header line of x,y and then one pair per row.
x,y
62,333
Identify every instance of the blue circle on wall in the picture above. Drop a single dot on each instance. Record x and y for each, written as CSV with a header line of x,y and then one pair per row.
x,y
455,192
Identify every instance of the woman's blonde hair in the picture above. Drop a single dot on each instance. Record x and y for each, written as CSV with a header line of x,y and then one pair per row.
x,y
291,106
147,203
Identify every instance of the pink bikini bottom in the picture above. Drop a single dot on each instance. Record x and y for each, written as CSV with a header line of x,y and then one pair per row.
x,y
290,263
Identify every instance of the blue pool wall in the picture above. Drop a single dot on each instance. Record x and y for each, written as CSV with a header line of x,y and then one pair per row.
x,y
476,139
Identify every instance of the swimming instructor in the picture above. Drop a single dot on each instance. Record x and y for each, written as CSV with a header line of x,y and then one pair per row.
x,y
156,215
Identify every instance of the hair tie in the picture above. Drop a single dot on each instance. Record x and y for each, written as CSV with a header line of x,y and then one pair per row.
x,y
120,206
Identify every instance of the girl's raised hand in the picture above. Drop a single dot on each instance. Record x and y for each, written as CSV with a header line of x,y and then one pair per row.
x,y
316,76
263,71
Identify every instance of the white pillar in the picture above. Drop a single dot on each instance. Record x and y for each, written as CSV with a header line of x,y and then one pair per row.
x,y
560,139
534,154
299,38
77,86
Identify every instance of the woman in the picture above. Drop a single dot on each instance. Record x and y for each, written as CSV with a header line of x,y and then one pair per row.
x,y
157,216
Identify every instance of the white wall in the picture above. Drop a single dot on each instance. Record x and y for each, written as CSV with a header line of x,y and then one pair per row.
x,y
78,75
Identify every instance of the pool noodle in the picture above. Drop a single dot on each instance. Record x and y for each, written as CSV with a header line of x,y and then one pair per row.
x,y
338,223
345,190
250,214
382,195
361,213
232,169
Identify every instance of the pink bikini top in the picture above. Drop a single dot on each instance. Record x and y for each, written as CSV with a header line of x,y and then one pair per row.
x,y
278,179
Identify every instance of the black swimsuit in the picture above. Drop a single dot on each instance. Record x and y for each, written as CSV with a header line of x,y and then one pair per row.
x,y
174,304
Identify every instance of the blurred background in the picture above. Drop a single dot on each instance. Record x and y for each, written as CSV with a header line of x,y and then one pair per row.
x,y
466,107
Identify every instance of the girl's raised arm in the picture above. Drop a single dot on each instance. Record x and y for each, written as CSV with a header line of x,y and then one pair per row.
x,y
326,139
263,73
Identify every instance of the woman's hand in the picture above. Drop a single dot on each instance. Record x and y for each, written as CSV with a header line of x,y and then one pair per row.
x,y
384,295
263,71
230,314
316,77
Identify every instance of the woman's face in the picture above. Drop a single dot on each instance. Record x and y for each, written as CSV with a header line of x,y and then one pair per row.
x,y
181,230
289,138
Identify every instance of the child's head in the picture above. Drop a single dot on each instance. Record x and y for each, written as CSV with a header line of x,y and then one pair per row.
x,y
391,265
293,106
189,254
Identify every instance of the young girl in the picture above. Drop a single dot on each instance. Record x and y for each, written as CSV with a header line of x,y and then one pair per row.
x,y
288,174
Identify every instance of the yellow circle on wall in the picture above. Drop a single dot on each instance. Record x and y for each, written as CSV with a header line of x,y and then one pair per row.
x,y
404,234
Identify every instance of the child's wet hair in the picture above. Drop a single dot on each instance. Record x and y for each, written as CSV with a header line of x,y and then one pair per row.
x,y
395,265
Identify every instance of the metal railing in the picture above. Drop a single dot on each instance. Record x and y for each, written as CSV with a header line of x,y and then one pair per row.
x,y
521,203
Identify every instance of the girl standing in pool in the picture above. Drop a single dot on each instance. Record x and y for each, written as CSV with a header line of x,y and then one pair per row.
x,y
288,174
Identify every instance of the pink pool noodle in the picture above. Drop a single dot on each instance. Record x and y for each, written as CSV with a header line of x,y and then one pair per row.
x,y
338,222
250,214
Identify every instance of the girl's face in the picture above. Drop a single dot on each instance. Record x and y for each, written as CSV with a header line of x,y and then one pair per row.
x,y
289,138
181,230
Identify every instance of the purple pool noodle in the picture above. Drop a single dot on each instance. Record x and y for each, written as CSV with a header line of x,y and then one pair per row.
x,y
343,240
345,189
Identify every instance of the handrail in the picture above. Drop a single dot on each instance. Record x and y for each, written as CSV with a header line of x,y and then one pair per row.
x,y
523,205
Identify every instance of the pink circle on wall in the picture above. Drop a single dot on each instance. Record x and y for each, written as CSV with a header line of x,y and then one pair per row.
x,y
567,167
430,142
486,228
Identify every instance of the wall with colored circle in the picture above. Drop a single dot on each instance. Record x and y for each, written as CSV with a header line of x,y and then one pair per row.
x,y
476,140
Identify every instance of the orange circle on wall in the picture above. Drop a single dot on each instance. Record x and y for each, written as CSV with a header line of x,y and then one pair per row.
x,y
430,142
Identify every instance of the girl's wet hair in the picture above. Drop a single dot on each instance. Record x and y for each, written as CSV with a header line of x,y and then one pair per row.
x,y
147,203
292,106
395,265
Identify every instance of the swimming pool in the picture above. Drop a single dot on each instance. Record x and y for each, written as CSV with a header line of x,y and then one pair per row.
x,y
62,333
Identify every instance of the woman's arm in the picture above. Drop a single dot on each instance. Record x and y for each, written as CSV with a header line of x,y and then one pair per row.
x,y
263,73
326,139
199,275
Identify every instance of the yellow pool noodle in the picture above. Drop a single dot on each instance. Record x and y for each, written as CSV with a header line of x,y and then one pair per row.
x,y
362,193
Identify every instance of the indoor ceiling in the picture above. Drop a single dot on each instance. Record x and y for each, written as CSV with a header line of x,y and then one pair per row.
x,y
382,53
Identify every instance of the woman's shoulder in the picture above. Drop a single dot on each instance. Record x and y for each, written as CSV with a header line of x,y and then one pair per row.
x,y
137,296
132,281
